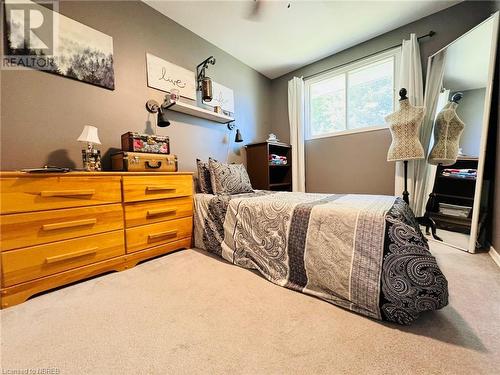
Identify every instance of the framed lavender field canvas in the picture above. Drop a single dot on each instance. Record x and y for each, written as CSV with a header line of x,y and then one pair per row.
x,y
58,44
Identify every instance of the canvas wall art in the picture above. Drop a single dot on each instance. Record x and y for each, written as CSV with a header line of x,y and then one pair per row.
x,y
222,96
164,76
69,48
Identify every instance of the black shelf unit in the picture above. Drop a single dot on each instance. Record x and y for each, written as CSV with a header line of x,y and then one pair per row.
x,y
453,190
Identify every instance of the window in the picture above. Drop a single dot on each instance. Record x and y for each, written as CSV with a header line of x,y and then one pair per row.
x,y
353,98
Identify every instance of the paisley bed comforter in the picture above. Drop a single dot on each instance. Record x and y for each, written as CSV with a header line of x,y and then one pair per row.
x,y
365,253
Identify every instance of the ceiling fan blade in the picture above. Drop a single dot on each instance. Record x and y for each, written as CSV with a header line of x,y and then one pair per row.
x,y
255,10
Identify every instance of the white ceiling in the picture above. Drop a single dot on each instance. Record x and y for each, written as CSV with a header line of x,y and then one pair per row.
x,y
467,59
283,39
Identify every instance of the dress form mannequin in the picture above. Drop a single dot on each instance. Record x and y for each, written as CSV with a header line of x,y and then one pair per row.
x,y
447,132
405,129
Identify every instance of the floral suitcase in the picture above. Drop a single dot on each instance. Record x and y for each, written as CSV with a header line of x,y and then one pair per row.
x,y
137,142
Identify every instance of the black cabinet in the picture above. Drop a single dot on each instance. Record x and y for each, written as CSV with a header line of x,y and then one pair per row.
x,y
455,191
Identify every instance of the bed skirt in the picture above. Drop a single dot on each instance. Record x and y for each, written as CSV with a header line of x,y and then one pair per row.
x,y
365,253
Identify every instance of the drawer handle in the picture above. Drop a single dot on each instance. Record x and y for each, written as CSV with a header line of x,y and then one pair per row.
x,y
160,212
161,188
168,233
66,193
69,224
76,254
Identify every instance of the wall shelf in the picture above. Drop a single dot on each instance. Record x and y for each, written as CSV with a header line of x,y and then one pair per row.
x,y
280,184
196,111
279,165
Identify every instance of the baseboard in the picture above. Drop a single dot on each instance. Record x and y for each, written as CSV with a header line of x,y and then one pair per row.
x,y
496,257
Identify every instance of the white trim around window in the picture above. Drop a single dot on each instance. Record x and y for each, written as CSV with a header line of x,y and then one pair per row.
x,y
394,53
345,132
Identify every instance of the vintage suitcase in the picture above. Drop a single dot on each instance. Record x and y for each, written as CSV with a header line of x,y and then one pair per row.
x,y
136,142
142,162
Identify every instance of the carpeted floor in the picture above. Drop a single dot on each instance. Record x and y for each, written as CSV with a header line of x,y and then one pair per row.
x,y
191,313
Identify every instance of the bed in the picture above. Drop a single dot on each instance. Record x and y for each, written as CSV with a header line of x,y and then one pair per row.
x,y
364,253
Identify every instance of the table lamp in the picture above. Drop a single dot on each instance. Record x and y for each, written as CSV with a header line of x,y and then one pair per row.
x,y
91,156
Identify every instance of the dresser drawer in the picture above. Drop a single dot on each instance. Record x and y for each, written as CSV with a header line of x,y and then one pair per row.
x,y
158,210
145,236
139,188
38,261
44,193
35,228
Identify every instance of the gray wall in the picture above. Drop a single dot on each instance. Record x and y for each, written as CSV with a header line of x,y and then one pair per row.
x,y
43,114
471,110
356,162
348,164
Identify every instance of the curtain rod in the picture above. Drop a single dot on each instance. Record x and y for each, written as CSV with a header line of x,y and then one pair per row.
x,y
430,34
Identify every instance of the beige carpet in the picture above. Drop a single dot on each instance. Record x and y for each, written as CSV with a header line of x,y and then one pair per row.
x,y
191,313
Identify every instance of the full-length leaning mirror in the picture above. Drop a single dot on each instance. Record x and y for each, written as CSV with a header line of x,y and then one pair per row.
x,y
458,99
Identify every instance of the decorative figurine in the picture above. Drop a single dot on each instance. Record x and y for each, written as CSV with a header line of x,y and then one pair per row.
x,y
272,138
174,95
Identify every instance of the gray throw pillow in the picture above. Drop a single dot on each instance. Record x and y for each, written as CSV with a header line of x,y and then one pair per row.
x,y
229,178
204,181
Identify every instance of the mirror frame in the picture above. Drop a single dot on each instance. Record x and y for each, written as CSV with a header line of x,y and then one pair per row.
x,y
485,125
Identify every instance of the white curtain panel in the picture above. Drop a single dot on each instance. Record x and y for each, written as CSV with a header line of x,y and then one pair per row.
x,y
410,78
296,119
434,98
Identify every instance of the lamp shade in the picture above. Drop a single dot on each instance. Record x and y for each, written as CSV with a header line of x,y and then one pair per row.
x,y
89,135
238,138
162,121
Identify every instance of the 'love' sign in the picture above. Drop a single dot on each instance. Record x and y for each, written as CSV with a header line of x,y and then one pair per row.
x,y
165,76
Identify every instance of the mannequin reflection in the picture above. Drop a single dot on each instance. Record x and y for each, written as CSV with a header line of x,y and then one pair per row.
x,y
448,129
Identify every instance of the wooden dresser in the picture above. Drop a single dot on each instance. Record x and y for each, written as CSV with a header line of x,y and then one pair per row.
x,y
59,228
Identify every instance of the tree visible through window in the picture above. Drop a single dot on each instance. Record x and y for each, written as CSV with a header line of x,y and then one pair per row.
x,y
353,99
327,106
